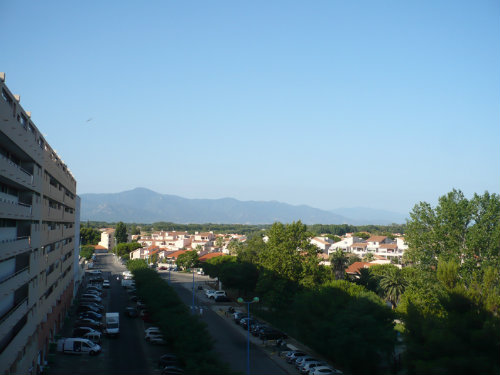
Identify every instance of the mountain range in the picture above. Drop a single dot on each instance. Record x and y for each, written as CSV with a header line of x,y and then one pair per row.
x,y
142,205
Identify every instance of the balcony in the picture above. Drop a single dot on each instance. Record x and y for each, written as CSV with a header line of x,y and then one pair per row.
x,y
12,247
54,214
15,281
54,193
15,173
14,210
9,320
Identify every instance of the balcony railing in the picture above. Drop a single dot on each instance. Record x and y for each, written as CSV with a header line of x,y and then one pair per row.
x,y
18,167
12,310
4,279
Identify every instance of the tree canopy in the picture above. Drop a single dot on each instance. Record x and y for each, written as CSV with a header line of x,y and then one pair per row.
x,y
121,233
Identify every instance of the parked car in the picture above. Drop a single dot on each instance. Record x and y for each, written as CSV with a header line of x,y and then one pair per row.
x,y
325,370
95,306
245,322
91,296
82,308
131,312
168,359
255,329
238,315
96,288
87,322
217,293
152,329
157,340
93,292
302,360
81,331
293,355
309,366
106,284
209,292
222,299
271,334
172,370
149,335
90,314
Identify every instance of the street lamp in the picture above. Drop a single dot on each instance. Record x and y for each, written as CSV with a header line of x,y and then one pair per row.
x,y
254,300
193,293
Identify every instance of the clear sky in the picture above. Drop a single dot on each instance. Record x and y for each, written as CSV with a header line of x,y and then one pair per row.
x,y
331,104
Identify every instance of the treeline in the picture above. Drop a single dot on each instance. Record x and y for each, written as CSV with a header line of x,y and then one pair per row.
x,y
316,229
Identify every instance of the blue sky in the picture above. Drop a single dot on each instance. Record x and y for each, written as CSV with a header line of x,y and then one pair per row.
x,y
325,103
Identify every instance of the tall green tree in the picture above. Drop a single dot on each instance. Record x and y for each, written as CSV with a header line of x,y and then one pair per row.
x,y
186,260
121,233
393,285
89,236
339,262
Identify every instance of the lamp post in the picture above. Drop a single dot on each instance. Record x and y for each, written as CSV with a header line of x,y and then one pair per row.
x,y
193,294
254,300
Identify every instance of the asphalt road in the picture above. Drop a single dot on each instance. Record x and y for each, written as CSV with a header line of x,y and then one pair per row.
x,y
230,339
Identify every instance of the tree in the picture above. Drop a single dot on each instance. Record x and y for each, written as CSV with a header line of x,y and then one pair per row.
x,y
362,235
219,242
368,257
89,236
186,260
393,285
134,230
339,262
86,252
121,233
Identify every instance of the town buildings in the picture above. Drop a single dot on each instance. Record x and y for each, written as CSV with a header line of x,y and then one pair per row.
x,y
39,239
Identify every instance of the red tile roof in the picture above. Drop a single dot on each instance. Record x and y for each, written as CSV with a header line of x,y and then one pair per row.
x,y
99,247
176,254
356,266
388,246
210,256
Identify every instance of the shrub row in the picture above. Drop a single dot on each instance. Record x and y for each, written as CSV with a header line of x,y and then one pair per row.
x,y
185,334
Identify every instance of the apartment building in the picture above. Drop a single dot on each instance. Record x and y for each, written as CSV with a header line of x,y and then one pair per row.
x,y
39,238
107,238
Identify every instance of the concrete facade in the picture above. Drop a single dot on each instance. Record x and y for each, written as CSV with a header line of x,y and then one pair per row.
x,y
38,239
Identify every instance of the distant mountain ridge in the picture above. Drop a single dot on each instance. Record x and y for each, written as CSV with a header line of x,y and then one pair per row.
x,y
142,205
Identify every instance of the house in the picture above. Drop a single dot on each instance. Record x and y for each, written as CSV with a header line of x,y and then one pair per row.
x,y
208,256
354,269
107,238
323,243
345,244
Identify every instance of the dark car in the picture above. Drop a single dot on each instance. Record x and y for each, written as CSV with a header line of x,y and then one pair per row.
x,y
89,323
131,312
93,305
222,299
256,328
84,308
271,334
168,359
81,331
245,322
91,314
172,370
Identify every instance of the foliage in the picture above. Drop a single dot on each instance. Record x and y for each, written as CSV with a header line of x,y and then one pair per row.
x,y
339,263
136,264
213,266
123,249
185,334
362,235
249,252
467,232
89,236
392,283
340,316
240,276
86,252
186,260
121,233
368,257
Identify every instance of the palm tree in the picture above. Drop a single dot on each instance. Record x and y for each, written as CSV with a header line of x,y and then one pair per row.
x,y
393,285
368,257
339,262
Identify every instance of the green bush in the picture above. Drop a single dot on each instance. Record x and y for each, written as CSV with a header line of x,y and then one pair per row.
x,y
186,335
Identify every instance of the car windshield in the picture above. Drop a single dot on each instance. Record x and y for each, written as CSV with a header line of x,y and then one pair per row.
x,y
113,325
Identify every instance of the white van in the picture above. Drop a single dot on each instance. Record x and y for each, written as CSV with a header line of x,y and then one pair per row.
x,y
77,346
